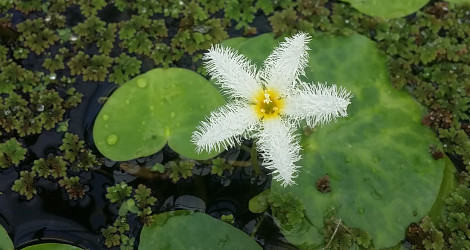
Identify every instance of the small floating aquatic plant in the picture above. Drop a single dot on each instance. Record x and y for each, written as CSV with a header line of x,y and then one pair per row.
x,y
268,104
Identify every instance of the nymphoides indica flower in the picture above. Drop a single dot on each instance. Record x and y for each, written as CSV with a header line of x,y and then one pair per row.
x,y
268,104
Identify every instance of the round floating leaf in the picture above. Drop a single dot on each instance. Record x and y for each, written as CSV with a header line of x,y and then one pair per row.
x,y
160,106
387,8
5,241
381,174
458,1
52,246
185,230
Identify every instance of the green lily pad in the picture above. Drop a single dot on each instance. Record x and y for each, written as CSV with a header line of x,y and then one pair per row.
x,y
5,241
52,246
158,107
458,1
186,230
386,8
381,173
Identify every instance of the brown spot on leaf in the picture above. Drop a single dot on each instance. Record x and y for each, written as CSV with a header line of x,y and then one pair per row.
x,y
323,184
436,153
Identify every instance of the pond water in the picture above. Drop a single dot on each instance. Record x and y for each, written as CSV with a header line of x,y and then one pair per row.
x,y
61,60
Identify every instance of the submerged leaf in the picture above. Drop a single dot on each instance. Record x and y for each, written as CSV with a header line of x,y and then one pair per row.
x,y
185,230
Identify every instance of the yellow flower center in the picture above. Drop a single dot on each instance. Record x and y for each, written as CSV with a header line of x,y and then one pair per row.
x,y
268,104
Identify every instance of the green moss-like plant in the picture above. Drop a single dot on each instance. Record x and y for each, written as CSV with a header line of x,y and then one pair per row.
x,y
72,146
15,77
140,33
74,98
94,30
36,35
143,197
90,8
220,165
182,169
78,63
227,218
52,166
20,53
11,153
10,108
28,123
288,209
434,239
242,12
118,193
190,40
125,67
97,70
27,6
49,105
25,185
54,64
73,186
339,236
111,236
86,160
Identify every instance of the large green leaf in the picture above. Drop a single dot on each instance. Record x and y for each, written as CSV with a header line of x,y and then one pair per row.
x,y
51,246
5,241
382,175
160,106
186,230
386,8
458,1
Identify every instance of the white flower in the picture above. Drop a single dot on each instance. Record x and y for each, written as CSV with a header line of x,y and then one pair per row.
x,y
268,104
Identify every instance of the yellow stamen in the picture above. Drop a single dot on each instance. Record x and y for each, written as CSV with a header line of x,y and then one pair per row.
x,y
268,104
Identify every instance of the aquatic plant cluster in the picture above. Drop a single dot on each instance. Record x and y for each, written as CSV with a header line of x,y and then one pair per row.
x,y
48,55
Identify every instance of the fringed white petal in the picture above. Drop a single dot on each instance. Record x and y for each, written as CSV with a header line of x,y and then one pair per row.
x,y
232,71
286,63
224,127
317,104
279,148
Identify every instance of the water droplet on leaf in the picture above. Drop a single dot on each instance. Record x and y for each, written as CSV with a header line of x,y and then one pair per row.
x,y
105,117
112,139
172,114
141,83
